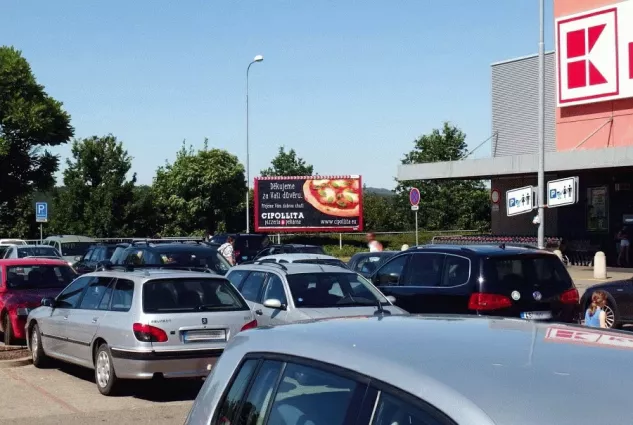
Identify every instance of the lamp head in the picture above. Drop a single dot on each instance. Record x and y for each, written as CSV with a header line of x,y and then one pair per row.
x,y
258,58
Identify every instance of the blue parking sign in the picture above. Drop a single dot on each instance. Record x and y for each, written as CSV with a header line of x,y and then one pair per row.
x,y
512,202
41,212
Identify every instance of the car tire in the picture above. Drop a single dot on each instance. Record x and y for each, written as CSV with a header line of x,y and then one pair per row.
x,y
617,324
9,338
105,376
39,357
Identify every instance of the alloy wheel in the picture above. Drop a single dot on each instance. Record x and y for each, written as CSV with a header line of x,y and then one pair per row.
x,y
34,344
610,316
103,369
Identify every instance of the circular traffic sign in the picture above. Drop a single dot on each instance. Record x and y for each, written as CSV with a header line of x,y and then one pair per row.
x,y
494,196
414,196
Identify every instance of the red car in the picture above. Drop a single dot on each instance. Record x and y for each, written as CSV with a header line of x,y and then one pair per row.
x,y
24,282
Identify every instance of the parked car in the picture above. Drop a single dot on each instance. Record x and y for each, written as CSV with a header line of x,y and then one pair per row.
x,y
247,245
619,308
480,279
96,256
13,242
416,370
23,284
72,247
284,293
139,324
116,256
34,251
366,263
302,259
290,248
190,256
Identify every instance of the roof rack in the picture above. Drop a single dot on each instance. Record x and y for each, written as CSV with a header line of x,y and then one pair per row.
x,y
132,267
269,263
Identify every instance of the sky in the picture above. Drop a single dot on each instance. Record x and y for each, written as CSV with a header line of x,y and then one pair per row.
x,y
348,84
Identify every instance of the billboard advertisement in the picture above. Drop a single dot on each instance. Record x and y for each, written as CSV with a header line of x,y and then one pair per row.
x,y
308,204
594,52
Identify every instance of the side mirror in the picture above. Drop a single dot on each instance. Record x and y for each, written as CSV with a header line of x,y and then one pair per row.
x,y
391,299
78,258
391,278
48,302
274,303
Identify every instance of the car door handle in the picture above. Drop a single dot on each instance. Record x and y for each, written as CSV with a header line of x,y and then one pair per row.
x,y
66,317
94,319
620,290
259,312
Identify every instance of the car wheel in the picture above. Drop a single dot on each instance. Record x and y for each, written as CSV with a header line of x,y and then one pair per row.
x,y
105,376
612,318
40,359
9,338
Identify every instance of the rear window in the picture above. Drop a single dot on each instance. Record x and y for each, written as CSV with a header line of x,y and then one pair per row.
x,y
207,258
191,295
75,248
544,270
39,277
38,251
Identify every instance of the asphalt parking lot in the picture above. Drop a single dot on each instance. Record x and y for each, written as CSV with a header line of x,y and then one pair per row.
x,y
68,395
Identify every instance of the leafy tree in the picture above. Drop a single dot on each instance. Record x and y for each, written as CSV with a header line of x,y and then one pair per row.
x,y
97,193
143,220
199,191
30,121
380,212
288,164
444,205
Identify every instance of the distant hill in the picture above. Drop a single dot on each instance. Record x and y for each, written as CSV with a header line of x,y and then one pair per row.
x,y
379,191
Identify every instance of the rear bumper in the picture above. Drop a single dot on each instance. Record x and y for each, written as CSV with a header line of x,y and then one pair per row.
x,y
132,364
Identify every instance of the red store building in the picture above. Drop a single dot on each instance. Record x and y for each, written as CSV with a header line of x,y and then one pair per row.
x,y
588,127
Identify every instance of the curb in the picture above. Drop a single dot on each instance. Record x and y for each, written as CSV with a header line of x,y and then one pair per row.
x,y
24,361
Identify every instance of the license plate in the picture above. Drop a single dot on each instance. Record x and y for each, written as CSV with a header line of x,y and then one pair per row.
x,y
205,335
536,315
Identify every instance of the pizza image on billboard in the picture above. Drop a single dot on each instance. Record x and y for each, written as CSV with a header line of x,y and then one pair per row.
x,y
308,204
340,197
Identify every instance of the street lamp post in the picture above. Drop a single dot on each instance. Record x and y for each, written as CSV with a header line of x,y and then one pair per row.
x,y
257,58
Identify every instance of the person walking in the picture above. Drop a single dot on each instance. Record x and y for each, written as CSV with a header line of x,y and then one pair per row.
x,y
373,244
595,316
625,244
227,251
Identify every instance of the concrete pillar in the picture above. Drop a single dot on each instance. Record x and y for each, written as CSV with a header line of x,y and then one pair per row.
x,y
559,254
599,266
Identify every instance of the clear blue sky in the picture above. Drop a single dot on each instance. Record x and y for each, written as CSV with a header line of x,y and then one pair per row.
x,y
348,84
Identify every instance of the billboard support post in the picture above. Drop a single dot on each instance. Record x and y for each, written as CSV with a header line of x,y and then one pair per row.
x,y
340,241
541,127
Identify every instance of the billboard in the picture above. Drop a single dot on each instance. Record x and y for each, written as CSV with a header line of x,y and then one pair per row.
x,y
594,55
308,204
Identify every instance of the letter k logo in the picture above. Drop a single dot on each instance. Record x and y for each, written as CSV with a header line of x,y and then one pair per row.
x,y
581,71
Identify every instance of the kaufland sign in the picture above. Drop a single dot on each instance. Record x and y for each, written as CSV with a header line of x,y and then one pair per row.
x,y
594,55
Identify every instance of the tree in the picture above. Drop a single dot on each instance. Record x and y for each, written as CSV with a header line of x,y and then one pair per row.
x,y
97,194
200,191
288,164
445,205
30,121
380,212
143,220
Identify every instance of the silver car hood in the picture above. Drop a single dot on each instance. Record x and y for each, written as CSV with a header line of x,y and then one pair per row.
x,y
322,313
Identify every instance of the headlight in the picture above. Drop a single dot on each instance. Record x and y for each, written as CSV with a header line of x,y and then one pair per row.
x,y
70,263
23,311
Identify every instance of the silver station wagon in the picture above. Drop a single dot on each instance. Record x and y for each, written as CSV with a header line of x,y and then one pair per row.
x,y
284,293
139,324
416,370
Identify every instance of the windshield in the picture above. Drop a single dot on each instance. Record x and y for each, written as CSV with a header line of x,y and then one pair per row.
x,y
191,295
75,248
206,258
324,261
325,290
39,277
38,251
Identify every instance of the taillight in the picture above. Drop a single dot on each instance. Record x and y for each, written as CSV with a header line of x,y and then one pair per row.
x,y
237,253
250,325
570,296
480,301
148,333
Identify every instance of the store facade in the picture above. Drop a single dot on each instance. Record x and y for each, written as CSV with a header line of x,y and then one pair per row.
x,y
588,126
